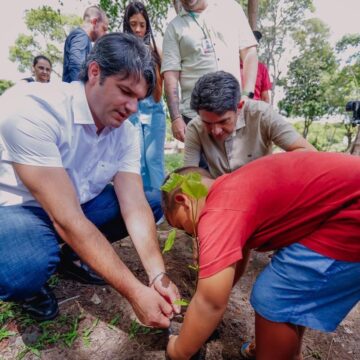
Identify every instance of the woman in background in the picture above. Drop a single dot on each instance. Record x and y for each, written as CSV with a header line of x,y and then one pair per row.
x,y
41,69
150,117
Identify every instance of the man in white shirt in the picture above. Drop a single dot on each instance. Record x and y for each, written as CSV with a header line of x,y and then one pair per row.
x,y
61,146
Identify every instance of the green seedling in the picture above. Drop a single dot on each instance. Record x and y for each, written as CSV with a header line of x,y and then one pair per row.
x,y
182,302
6,312
138,329
114,321
4,333
72,335
87,332
169,243
53,281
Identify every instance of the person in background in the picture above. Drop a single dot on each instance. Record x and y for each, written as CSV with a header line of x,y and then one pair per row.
x,y
41,69
206,36
231,133
263,84
79,42
150,118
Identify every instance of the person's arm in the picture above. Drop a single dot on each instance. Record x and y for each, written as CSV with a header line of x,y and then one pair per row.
x,y
53,189
300,144
265,96
192,147
249,58
77,55
171,84
140,224
203,315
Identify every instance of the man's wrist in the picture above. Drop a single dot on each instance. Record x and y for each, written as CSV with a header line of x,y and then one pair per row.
x,y
175,118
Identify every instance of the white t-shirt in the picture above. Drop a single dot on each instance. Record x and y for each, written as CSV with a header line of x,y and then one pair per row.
x,y
51,125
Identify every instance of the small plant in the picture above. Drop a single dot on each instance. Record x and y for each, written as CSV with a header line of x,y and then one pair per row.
x,y
114,321
137,329
87,332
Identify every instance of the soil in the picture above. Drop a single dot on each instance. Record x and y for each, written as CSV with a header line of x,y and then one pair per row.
x,y
99,306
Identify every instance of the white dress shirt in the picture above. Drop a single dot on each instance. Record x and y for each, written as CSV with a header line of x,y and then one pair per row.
x,y
51,125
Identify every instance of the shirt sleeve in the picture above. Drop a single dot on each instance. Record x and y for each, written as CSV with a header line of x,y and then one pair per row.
x,y
192,146
77,54
246,37
277,129
171,60
221,241
31,141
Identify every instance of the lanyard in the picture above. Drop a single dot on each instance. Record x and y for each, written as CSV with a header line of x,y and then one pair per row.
x,y
192,15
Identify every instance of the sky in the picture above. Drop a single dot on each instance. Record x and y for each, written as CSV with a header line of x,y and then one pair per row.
x,y
342,16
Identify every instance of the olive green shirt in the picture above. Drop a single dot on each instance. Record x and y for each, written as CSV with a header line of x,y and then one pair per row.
x,y
258,126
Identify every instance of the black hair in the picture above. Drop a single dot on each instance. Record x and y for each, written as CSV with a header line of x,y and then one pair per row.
x,y
121,54
216,92
258,35
41,57
137,7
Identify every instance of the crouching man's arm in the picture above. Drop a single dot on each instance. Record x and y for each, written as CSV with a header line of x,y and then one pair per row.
x,y
140,225
203,315
53,189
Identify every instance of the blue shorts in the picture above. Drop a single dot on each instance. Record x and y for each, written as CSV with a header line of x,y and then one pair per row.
x,y
302,287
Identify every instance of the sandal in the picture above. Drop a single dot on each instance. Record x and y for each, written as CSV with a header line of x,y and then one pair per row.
x,y
248,350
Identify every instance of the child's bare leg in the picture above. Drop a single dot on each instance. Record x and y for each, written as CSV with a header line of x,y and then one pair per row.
x,y
280,341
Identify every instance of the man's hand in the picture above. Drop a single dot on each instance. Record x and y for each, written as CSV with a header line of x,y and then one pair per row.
x,y
178,128
168,290
150,308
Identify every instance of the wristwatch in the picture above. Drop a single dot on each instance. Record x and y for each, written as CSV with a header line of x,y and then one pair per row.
x,y
249,94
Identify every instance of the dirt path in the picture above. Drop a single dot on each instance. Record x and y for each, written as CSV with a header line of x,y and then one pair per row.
x,y
97,323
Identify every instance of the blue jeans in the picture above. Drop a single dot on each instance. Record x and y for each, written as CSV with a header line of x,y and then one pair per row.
x,y
29,244
151,125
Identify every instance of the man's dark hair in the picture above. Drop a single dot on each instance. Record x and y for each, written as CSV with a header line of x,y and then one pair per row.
x,y
121,54
257,34
41,57
94,11
216,92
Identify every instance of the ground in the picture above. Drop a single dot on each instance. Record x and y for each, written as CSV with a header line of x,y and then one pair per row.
x,y
97,323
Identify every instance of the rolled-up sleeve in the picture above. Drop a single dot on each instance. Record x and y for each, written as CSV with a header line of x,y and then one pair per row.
x,y
171,60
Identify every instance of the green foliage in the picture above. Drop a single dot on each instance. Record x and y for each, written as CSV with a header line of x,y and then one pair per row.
x,y
4,85
48,30
350,41
88,331
190,185
157,10
173,161
138,329
310,75
169,243
181,302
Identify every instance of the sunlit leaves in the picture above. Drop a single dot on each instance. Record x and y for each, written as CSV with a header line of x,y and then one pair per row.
x,y
169,243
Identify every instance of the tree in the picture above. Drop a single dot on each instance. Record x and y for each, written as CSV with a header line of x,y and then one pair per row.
x,y
4,85
310,73
157,10
48,30
278,19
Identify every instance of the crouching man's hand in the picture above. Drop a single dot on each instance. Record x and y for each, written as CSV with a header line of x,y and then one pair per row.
x,y
151,308
167,289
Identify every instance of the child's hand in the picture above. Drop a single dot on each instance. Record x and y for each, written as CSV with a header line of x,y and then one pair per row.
x,y
171,348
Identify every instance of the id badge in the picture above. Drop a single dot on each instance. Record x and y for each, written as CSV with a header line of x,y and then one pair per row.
x,y
207,46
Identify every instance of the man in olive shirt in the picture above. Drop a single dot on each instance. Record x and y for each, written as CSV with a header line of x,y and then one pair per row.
x,y
231,133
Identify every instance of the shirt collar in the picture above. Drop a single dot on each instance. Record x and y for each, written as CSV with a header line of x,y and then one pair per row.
x,y
81,109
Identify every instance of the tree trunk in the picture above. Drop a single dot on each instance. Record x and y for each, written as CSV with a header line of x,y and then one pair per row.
x,y
177,5
355,148
253,6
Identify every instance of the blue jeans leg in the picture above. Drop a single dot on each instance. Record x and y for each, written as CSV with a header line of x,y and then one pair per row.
x,y
29,244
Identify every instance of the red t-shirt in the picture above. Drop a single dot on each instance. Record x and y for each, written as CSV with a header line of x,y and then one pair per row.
x,y
306,197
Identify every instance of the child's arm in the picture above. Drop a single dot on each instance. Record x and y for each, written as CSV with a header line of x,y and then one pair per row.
x,y
203,315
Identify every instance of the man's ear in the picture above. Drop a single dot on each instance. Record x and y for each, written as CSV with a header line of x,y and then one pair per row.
x,y
93,71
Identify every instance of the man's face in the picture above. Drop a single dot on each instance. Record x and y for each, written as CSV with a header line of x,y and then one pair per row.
x,y
192,5
220,127
100,28
42,71
115,99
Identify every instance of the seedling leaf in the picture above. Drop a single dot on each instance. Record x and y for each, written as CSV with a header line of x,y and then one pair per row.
x,y
173,182
169,243
194,189
181,302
